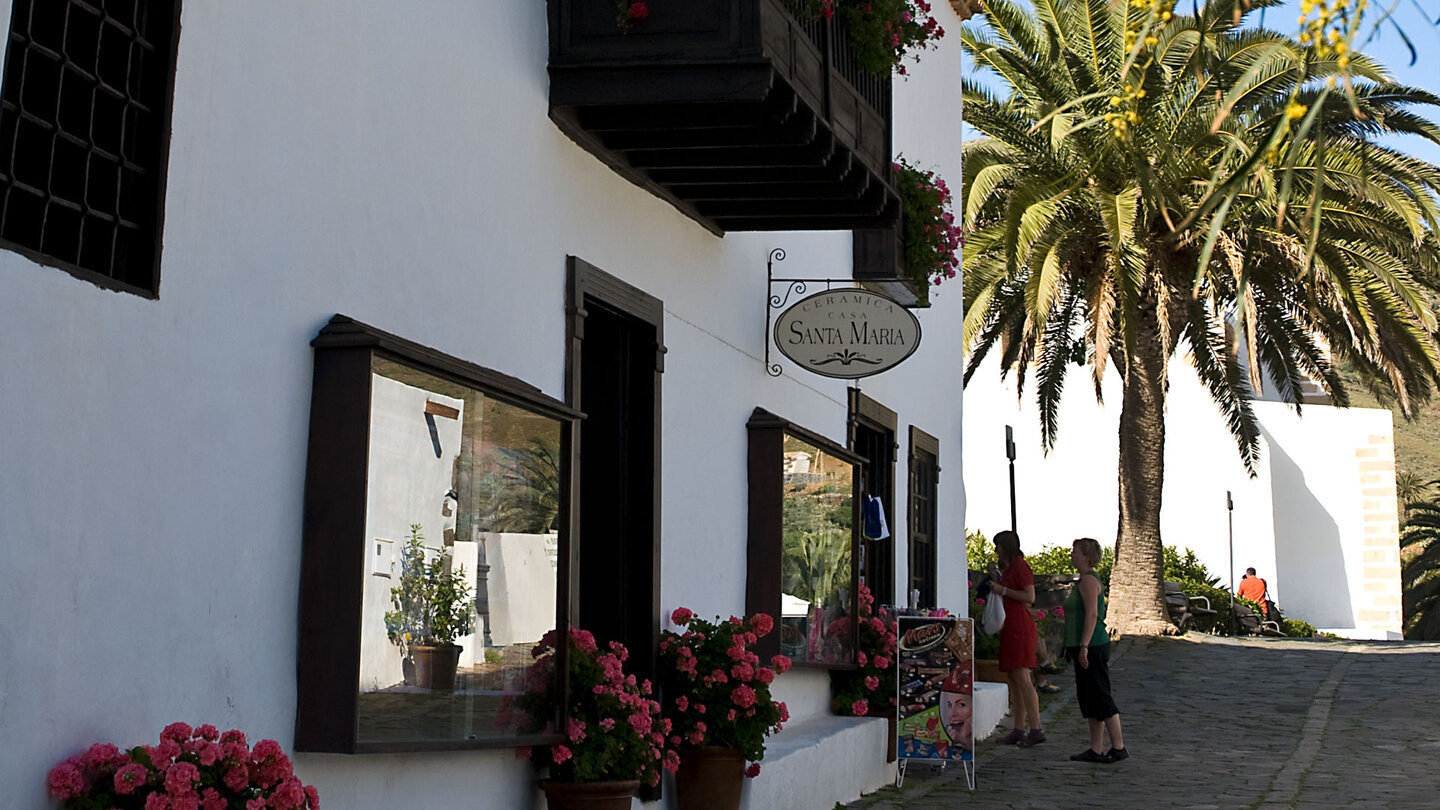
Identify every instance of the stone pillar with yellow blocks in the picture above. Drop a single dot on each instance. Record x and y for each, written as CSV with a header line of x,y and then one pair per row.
x,y
1377,609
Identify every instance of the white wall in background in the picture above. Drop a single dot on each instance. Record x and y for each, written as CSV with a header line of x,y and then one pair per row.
x,y
1307,521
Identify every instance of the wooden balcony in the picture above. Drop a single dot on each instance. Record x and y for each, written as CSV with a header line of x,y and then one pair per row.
x,y
879,265
742,116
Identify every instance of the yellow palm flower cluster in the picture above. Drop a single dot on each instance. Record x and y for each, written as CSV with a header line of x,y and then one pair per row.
x,y
1140,37
1323,26
1121,119
1142,24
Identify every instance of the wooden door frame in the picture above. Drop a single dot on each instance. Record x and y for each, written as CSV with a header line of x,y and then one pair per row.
x,y
920,440
585,280
870,414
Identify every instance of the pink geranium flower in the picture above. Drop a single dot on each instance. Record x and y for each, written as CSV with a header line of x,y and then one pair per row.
x,y
130,777
181,777
66,781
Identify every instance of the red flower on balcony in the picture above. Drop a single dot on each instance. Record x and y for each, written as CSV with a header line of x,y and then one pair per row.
x,y
880,32
627,12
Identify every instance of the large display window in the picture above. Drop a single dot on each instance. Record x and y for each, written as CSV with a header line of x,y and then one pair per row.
x,y
437,511
803,520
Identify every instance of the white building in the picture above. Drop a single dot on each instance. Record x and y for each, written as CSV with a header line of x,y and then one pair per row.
x,y
167,265
1318,520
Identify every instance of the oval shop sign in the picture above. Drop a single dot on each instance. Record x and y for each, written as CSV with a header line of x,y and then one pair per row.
x,y
847,333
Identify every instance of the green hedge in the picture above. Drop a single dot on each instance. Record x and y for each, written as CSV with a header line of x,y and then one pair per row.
x,y
1183,567
1295,628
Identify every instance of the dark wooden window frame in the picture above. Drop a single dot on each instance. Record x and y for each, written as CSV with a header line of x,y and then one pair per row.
x,y
585,280
923,442
333,557
766,434
157,98
866,412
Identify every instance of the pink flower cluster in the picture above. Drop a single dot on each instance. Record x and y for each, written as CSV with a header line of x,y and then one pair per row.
x,y
871,687
191,769
719,690
932,238
1045,619
881,33
634,743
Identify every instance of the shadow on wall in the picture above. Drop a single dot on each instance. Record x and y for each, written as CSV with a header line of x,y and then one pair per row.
x,y
1309,559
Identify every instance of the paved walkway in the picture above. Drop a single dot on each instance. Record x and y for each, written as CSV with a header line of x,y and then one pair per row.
x,y
1214,724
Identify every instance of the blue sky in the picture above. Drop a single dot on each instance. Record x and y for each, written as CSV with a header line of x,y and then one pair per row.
x,y
1388,46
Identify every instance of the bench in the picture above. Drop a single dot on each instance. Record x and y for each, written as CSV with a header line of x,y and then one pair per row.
x,y
1247,622
1184,608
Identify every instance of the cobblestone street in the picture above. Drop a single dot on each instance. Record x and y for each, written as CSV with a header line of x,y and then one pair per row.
x,y
1214,724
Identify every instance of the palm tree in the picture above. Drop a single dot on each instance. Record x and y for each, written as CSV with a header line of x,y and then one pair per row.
x,y
1140,187
1420,576
1409,488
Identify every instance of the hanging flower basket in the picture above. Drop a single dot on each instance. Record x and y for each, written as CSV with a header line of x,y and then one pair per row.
x,y
929,234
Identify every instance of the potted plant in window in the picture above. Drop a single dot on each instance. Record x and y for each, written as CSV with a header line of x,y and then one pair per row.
x,y
717,697
432,607
869,689
615,734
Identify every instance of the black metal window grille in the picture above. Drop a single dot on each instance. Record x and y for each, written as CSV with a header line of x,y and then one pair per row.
x,y
84,123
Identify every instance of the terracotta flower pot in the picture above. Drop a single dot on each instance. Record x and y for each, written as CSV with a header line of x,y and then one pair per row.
x,y
988,670
709,778
589,795
435,666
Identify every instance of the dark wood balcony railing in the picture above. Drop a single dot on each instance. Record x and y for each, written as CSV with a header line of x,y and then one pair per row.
x,y
742,115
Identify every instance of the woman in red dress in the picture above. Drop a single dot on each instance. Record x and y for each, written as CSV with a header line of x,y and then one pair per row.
x,y
1016,583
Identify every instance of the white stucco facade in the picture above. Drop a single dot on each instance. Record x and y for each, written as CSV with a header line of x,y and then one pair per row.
x,y
393,162
1317,520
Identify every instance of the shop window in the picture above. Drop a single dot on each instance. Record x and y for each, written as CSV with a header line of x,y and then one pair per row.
x,y
922,521
436,547
84,131
803,525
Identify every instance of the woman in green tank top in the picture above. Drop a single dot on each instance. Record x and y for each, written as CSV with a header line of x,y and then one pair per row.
x,y
1088,644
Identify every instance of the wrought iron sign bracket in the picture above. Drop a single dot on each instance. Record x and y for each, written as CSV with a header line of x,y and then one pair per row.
x,y
773,301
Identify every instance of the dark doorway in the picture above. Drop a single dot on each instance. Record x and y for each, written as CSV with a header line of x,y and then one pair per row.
x,y
614,379
872,437
922,522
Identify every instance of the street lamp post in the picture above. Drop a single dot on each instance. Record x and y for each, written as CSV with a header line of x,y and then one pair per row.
x,y
1230,516
1010,454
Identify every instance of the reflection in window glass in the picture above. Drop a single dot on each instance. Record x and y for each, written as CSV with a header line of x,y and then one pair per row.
x,y
817,537
462,513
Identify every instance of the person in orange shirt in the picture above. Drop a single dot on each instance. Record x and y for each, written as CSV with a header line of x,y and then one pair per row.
x,y
1253,588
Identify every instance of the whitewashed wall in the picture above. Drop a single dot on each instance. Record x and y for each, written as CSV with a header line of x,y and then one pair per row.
x,y
1336,534
392,162
1316,521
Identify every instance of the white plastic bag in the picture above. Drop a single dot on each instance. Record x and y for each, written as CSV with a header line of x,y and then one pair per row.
x,y
994,617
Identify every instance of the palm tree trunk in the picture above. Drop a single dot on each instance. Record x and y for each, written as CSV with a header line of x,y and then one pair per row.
x,y
1137,601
